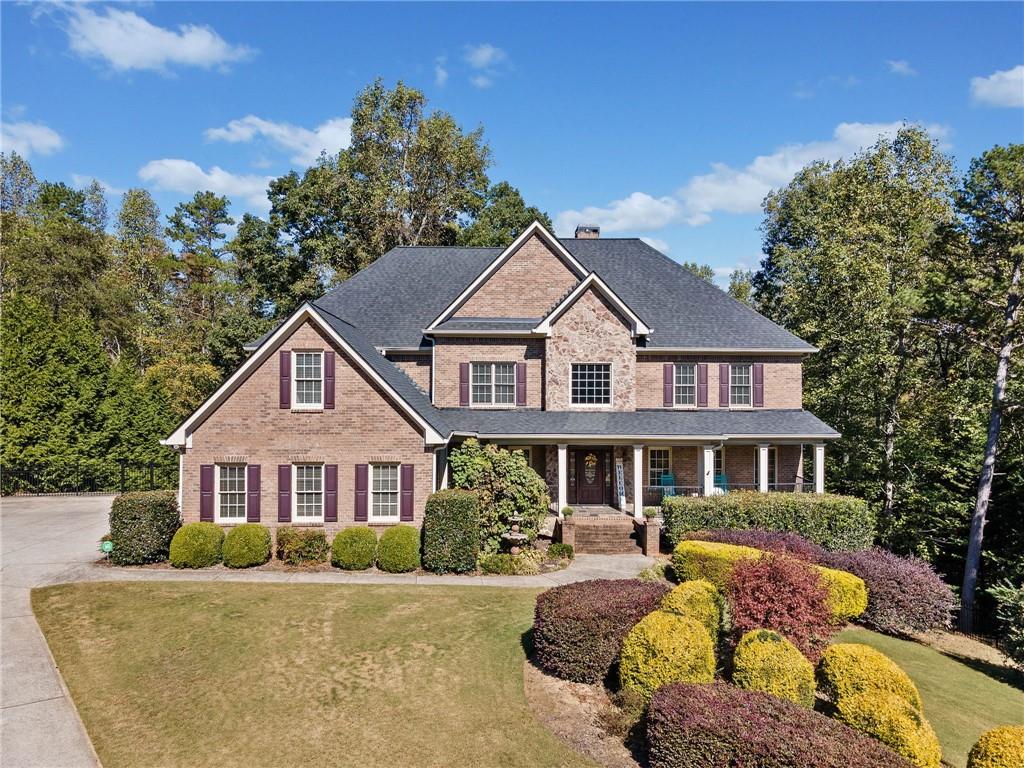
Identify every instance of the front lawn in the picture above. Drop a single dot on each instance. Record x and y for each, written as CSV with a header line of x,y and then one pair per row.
x,y
220,674
961,703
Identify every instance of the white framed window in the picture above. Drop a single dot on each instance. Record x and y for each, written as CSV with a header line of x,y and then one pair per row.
x,y
686,384
385,485
307,380
773,467
740,388
493,384
659,462
591,383
230,507
719,461
308,494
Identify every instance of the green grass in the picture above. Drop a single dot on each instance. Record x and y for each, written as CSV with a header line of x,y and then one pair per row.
x,y
201,674
961,703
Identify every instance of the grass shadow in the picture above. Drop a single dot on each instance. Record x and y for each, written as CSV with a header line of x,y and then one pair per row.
x,y
1004,674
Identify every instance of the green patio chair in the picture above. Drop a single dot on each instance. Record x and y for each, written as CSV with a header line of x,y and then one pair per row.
x,y
668,484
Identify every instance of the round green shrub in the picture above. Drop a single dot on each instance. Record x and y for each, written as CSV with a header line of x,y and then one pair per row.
x,y
197,545
894,722
302,546
247,545
142,525
766,661
398,550
697,599
560,551
666,648
849,669
1001,747
354,548
451,531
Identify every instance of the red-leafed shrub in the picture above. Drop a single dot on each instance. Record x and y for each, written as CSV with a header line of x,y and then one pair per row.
x,y
716,724
578,628
905,594
781,542
780,593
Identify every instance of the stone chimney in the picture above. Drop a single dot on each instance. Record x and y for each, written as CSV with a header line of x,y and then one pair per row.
x,y
588,232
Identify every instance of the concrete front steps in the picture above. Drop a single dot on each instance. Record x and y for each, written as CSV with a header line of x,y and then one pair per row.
x,y
607,536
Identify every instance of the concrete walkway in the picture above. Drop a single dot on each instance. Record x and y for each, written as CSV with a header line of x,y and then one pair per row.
x,y
53,540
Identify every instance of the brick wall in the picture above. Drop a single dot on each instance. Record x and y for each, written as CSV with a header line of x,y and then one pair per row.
x,y
782,378
528,284
415,366
363,427
450,351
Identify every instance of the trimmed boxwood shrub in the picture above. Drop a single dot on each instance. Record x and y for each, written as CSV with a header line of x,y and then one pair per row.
x,y
142,525
302,546
354,549
890,719
197,545
698,600
831,521
578,628
398,550
559,551
451,531
1001,747
718,724
780,542
666,648
847,595
905,594
247,545
526,563
849,669
766,661
783,594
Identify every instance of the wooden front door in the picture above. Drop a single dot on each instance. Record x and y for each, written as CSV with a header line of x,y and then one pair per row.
x,y
590,472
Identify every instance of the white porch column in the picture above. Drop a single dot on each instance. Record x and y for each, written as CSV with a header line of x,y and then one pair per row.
x,y
762,467
638,482
708,469
563,478
819,467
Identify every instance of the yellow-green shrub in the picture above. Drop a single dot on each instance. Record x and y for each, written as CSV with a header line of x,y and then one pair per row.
x,y
893,721
698,600
850,669
665,648
1002,747
691,560
766,661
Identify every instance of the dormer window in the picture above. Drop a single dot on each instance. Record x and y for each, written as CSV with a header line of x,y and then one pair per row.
x,y
494,384
308,380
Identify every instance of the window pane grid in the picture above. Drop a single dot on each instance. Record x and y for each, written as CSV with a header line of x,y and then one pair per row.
x,y
739,385
493,383
686,384
385,490
309,496
659,463
231,504
504,383
308,378
591,383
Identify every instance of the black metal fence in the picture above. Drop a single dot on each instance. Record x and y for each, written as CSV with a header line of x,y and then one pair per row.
x,y
87,477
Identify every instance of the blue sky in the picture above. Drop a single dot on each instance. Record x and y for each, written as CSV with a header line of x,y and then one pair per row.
x,y
666,121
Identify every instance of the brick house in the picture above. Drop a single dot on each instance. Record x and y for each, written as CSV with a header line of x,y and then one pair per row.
x,y
621,375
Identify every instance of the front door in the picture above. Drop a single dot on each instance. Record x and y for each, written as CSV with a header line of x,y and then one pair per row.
x,y
590,477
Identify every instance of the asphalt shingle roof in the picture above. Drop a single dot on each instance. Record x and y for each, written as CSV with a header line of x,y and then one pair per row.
x,y
489,324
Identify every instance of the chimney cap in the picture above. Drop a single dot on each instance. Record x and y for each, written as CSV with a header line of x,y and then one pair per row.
x,y
591,231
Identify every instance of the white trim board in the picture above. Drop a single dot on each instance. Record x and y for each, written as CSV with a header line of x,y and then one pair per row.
x,y
183,434
637,326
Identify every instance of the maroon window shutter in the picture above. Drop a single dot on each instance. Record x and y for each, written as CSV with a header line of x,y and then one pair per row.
x,y
520,383
758,385
331,493
329,378
668,384
284,493
252,493
362,483
407,481
206,493
723,384
286,378
463,384
702,385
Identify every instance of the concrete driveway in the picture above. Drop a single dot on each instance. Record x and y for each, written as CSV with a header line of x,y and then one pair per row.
x,y
42,540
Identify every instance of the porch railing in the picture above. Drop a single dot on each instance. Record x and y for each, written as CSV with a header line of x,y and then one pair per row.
x,y
655,494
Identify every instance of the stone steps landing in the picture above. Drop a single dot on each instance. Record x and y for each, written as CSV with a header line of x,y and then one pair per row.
x,y
607,536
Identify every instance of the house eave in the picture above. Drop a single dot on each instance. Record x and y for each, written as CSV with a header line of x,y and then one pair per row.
x,y
725,350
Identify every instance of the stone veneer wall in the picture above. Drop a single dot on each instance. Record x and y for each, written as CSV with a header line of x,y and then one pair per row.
x,y
590,331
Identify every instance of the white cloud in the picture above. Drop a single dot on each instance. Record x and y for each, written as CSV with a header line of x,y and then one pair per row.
x,y
185,176
27,139
726,188
900,67
440,71
481,81
484,56
126,41
305,145
657,243
1000,89
82,181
